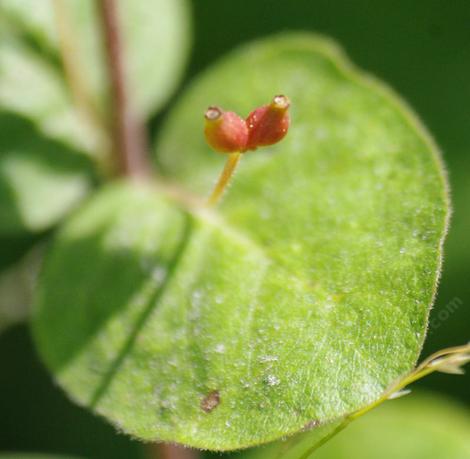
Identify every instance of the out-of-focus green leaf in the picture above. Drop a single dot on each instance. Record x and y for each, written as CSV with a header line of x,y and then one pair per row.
x,y
43,169
417,427
32,88
297,301
17,286
13,248
33,456
156,36
40,179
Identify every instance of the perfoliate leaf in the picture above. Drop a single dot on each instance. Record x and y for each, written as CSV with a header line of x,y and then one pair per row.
x,y
155,35
297,301
412,428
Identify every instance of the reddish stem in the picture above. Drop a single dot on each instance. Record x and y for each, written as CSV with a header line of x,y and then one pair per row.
x,y
130,145
128,130
169,451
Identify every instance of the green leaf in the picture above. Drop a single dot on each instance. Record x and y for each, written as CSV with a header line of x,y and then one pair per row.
x,y
43,169
156,36
33,456
40,179
39,183
421,426
32,88
298,300
17,287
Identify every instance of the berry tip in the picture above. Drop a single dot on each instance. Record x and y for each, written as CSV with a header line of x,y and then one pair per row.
x,y
213,113
281,102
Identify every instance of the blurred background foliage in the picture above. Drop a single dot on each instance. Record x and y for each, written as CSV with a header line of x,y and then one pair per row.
x,y
421,49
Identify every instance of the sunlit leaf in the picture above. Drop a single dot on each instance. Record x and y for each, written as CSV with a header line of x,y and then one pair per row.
x,y
297,301
155,34
40,179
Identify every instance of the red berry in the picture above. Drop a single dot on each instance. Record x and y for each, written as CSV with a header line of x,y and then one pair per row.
x,y
268,124
225,132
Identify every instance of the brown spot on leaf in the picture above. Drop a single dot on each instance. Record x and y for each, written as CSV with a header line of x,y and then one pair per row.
x,y
210,401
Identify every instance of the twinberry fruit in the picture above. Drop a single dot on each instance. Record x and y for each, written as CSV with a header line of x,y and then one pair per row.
x,y
225,132
268,124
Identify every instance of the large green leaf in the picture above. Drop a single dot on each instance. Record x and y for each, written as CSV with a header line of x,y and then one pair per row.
x,y
156,38
295,302
419,427
40,179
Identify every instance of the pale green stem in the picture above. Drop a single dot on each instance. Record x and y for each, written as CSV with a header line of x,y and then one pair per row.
x,y
224,179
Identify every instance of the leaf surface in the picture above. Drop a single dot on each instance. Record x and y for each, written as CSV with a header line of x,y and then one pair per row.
x,y
297,301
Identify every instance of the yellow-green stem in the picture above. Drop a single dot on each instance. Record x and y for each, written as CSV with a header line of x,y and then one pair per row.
x,y
224,179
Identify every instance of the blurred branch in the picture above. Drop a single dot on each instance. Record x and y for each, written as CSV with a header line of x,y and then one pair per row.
x,y
130,145
128,129
170,451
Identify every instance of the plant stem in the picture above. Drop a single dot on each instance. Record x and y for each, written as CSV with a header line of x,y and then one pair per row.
x,y
170,451
130,146
128,130
224,179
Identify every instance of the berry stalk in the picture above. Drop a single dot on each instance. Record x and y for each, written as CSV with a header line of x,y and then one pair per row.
x,y
224,179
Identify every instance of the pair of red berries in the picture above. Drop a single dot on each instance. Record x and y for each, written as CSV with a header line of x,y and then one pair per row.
x,y
226,132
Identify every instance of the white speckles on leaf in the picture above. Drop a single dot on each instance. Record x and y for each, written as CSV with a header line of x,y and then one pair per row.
x,y
159,274
272,380
268,358
219,299
220,348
